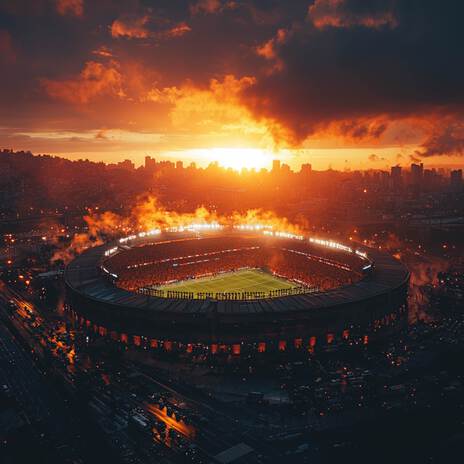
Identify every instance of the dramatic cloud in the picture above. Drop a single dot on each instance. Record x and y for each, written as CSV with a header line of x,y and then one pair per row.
x,y
375,158
95,80
177,30
330,74
372,129
70,7
103,52
216,109
210,108
143,27
131,27
267,50
448,140
349,13
206,6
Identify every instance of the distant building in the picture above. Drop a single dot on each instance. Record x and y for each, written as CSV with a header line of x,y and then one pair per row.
x,y
150,164
417,174
396,176
285,169
456,180
179,165
276,166
126,164
431,179
306,169
384,178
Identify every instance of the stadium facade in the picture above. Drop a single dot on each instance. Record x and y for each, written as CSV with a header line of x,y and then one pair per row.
x,y
340,290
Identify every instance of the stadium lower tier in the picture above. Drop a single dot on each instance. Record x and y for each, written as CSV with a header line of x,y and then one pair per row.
x,y
306,338
359,306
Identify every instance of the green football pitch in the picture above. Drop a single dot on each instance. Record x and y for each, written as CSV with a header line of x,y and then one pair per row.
x,y
246,280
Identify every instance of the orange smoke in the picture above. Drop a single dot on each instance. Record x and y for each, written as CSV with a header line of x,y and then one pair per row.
x,y
148,214
94,80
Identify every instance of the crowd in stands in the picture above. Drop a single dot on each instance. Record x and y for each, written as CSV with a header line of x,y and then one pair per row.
x,y
159,263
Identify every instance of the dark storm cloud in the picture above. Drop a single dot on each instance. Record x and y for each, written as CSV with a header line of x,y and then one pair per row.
x,y
366,69
447,140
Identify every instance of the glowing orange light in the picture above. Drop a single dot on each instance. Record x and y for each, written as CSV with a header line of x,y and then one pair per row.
x,y
168,346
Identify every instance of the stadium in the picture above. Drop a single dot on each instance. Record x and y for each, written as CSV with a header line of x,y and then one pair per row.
x,y
234,288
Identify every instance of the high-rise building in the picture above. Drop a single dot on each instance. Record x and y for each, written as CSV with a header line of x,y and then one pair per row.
x,y
126,164
179,165
306,170
275,165
396,176
150,164
417,174
456,180
285,169
384,178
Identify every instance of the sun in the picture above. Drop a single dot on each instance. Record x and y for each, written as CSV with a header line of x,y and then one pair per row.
x,y
237,158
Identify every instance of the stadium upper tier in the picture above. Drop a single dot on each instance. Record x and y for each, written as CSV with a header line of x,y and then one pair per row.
x,y
356,284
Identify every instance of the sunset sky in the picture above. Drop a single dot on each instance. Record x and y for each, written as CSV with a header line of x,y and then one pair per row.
x,y
346,83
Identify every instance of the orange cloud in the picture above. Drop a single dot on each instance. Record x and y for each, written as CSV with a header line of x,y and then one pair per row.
x,y
268,49
130,27
333,13
444,138
103,51
94,80
70,7
178,30
217,109
206,6
138,28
